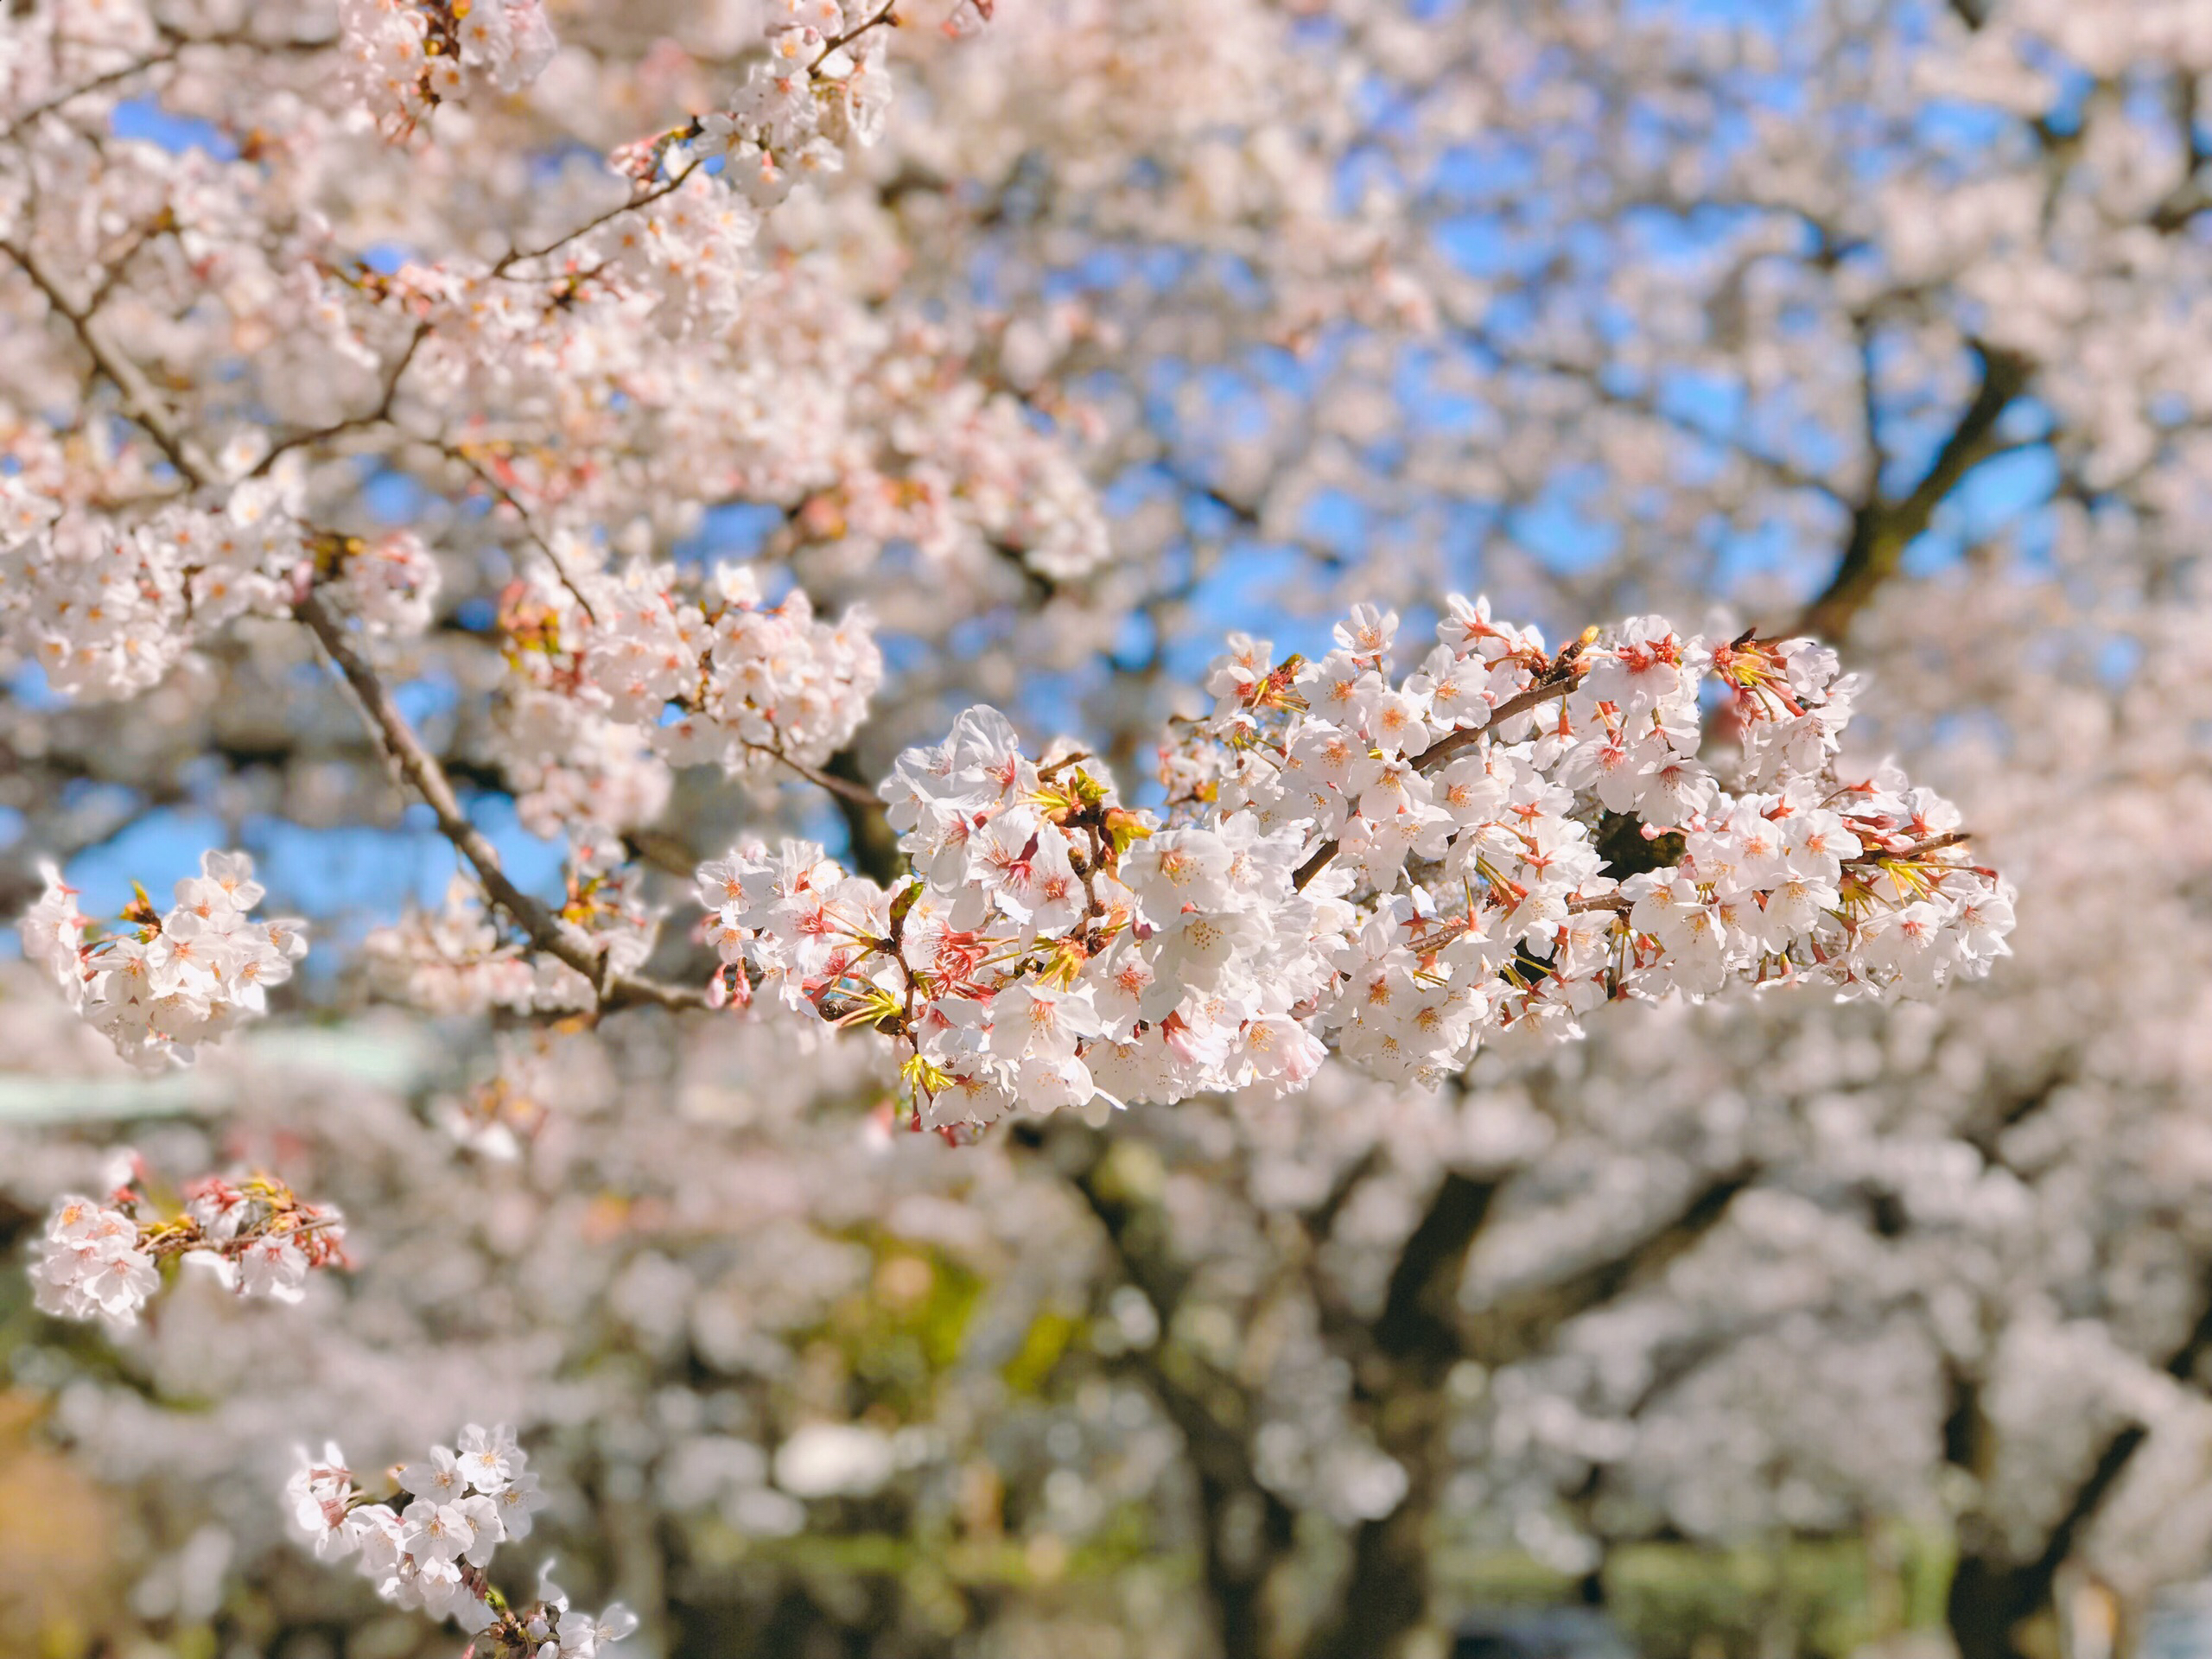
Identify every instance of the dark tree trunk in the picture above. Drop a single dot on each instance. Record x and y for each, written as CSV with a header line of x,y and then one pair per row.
x,y
1420,1335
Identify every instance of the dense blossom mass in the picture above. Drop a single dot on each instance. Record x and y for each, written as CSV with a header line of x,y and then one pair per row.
x,y
1392,865
106,611
406,57
457,959
700,672
157,985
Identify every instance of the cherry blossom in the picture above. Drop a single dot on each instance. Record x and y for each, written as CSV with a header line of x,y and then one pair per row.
x,y
347,376
162,984
457,960
1344,861
406,57
253,1236
703,671
431,1553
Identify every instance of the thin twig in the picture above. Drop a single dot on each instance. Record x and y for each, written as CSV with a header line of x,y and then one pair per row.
x,y
119,262
98,83
1932,844
375,417
836,43
491,481
844,789
176,43
1613,901
517,256
1620,903
414,763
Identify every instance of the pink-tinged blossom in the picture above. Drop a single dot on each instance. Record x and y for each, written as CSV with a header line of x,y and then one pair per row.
x,y
253,1236
107,609
1332,871
432,1553
406,57
161,984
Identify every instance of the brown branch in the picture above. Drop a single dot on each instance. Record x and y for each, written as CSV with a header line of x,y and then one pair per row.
x,y
418,768
1882,530
1400,1365
1590,377
1419,1321
1319,1222
138,399
1420,1338
1993,1589
98,83
2188,198
176,42
404,750
874,843
118,262
517,256
1211,1411
1518,1326
515,504
847,791
838,42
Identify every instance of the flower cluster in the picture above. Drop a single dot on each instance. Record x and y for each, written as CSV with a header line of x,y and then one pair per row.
x,y
452,959
159,985
456,959
106,609
1534,834
573,766
428,1545
825,84
1052,946
703,671
1394,866
498,1116
406,57
255,1237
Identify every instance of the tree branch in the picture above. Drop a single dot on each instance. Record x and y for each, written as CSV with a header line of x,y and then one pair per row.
x,y
1781,469
1994,1591
381,413
874,843
138,399
847,793
1882,530
1519,1325
419,768
518,256
98,83
1415,1343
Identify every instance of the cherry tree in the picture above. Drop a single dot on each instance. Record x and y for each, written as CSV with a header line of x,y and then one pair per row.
x,y
733,443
